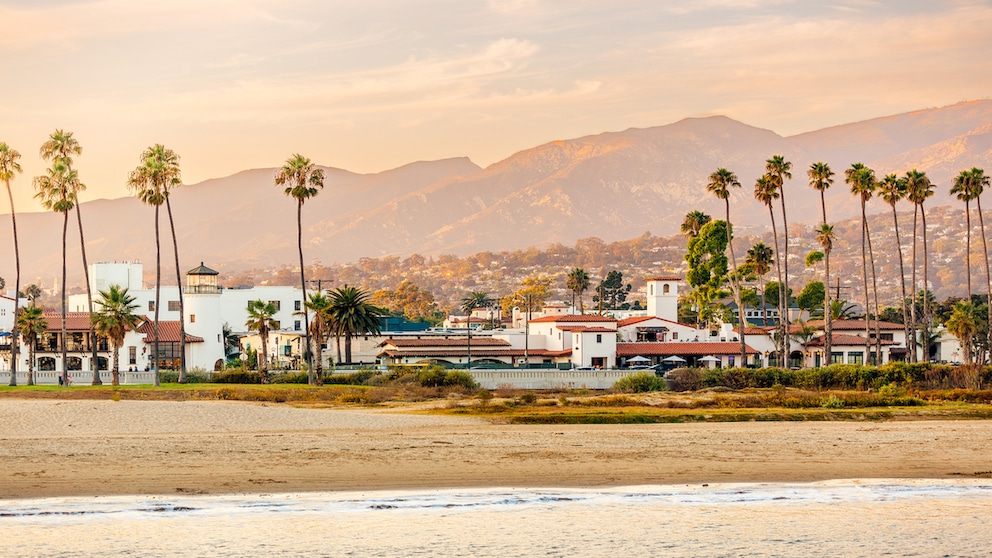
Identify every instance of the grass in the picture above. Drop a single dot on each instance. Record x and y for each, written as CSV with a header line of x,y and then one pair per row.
x,y
565,406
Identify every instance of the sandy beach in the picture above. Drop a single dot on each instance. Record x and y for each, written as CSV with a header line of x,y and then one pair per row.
x,y
76,448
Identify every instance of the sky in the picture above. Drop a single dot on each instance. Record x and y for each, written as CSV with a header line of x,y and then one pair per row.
x,y
368,86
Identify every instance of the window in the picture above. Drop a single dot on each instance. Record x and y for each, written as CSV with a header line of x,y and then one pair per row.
x,y
675,335
192,318
855,357
886,337
276,304
666,288
132,355
296,325
276,324
836,358
296,305
651,289
173,306
599,337
151,305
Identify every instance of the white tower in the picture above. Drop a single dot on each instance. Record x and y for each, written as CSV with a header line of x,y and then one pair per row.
x,y
203,316
663,297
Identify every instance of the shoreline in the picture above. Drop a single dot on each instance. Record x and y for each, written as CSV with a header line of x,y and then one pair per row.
x,y
60,448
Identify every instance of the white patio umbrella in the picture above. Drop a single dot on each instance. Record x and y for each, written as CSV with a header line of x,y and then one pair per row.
x,y
709,358
638,359
673,358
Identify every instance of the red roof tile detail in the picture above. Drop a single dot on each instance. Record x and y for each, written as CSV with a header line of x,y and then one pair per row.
x,y
168,332
461,341
665,278
591,318
843,340
460,352
681,349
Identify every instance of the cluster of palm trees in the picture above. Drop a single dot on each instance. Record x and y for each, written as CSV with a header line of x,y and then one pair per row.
x,y
343,312
914,186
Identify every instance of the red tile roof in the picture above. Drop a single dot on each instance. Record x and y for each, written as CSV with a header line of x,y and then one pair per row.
x,y
74,321
573,318
586,329
855,325
460,352
682,349
665,278
843,340
462,341
638,319
168,332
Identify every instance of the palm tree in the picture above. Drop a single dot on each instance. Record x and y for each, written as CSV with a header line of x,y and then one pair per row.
x,y
862,181
8,168
766,191
578,282
30,324
694,220
892,189
320,329
965,192
260,319
759,258
61,146
147,183
779,170
162,167
115,318
354,315
825,236
821,178
978,183
963,325
469,302
918,189
303,181
721,181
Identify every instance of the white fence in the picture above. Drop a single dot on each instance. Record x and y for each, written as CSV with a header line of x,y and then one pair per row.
x,y
76,377
549,379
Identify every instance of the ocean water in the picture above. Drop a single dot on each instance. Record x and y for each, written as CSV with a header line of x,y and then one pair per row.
x,y
838,518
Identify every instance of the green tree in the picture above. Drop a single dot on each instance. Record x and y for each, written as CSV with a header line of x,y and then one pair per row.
x,y
9,167
694,220
779,170
759,258
578,282
821,178
974,182
811,297
918,189
408,300
612,291
825,236
32,292
303,181
321,327
892,189
706,256
962,324
533,292
766,191
31,323
862,182
113,320
353,315
772,293
720,184
261,319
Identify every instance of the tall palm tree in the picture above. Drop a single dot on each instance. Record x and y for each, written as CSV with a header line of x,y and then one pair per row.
x,y
162,167
978,182
578,282
62,146
694,220
260,319
821,178
759,258
964,191
892,189
720,184
469,302
147,182
303,181
8,168
354,315
825,236
779,170
962,325
320,329
30,324
862,182
114,319
766,191
918,189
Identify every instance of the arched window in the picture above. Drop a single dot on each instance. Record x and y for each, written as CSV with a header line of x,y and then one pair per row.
x,y
666,288
102,362
74,363
46,363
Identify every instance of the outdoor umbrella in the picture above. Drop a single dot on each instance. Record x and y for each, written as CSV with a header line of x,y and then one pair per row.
x,y
638,359
673,358
709,358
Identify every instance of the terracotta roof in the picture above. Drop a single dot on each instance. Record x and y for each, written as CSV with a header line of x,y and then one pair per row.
x,y
74,321
462,341
664,278
459,352
573,318
638,319
681,349
843,340
755,330
168,332
848,325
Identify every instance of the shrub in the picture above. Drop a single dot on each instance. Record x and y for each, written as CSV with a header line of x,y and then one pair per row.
x,y
485,396
289,378
528,398
238,377
639,382
832,402
439,376
684,379
352,379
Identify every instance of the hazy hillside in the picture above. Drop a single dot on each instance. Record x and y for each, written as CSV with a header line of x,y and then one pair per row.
x,y
612,186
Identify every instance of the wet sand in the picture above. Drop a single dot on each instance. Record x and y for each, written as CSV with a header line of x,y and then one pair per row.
x,y
78,448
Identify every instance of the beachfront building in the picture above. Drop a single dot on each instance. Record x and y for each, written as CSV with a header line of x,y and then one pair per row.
x,y
848,342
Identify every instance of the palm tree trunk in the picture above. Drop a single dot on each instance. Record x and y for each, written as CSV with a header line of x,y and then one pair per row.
x,y
778,268
337,344
864,277
319,366
94,361
115,378
967,236
347,346
14,352
303,285
988,274
179,282
735,284
785,276
65,363
874,290
158,296
263,363
828,317
902,275
912,300
927,319
31,363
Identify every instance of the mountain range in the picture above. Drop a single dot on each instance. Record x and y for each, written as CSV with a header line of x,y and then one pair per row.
x,y
613,186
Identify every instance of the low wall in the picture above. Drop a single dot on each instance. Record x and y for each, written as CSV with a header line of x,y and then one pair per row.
x,y
549,379
77,377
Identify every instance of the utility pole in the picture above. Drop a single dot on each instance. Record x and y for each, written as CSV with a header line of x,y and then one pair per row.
x,y
468,325
527,335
